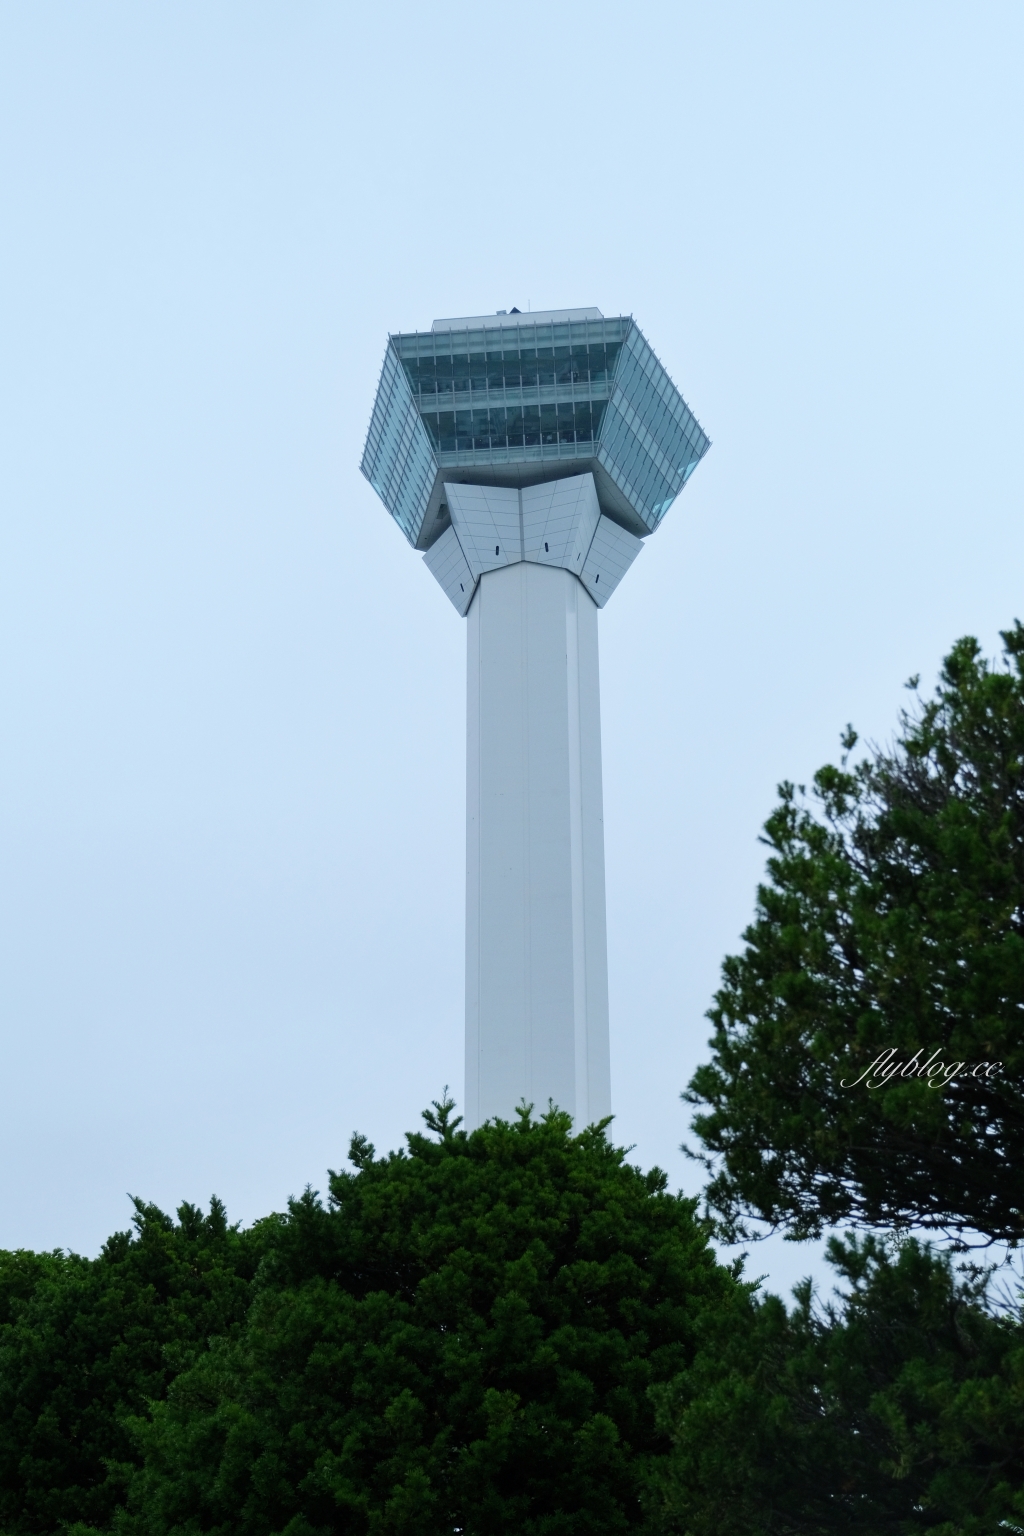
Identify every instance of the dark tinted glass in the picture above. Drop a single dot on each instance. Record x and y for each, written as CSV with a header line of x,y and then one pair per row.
x,y
520,426
514,426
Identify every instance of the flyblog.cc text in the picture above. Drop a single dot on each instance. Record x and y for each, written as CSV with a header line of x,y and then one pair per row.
x,y
884,1069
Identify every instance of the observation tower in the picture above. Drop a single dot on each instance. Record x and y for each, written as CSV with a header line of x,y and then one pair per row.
x,y
528,457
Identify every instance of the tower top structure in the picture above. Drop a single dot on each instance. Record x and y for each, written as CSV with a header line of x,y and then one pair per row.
x,y
516,401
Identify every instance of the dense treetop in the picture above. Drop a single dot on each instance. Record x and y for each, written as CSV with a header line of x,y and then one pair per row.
x,y
897,1411
84,1343
892,920
462,1339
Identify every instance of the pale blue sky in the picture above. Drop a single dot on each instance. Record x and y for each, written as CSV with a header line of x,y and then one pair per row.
x,y
232,740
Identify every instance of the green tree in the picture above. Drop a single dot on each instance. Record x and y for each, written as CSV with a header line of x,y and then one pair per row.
x,y
899,1411
83,1343
892,920
462,1340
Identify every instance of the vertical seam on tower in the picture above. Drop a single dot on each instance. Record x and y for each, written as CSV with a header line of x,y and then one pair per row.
x,y
478,1118
524,621
522,539
577,856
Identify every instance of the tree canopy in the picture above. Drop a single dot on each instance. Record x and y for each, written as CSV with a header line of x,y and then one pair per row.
x,y
897,1411
509,1331
85,1343
461,1339
890,930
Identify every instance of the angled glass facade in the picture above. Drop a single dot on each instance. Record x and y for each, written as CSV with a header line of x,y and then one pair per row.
x,y
397,459
651,442
525,399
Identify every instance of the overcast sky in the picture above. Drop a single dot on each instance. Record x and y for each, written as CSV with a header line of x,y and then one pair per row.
x,y
232,713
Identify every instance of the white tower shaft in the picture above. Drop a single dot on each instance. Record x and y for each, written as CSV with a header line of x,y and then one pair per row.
x,y
536,950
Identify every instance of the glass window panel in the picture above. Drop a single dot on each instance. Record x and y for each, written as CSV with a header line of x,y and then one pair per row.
x,y
566,425
584,431
545,366
548,424
514,426
430,422
497,426
463,429
478,370
531,425
563,365
446,431
460,371
481,430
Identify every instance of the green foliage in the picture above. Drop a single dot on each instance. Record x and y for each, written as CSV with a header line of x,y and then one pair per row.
x,y
462,1340
893,918
902,1411
85,1342
513,1331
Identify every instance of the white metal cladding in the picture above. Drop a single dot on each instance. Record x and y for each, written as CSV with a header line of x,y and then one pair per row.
x,y
486,519
536,950
515,318
559,519
609,558
558,523
446,561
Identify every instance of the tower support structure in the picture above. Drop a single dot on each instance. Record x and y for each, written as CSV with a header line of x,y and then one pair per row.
x,y
536,951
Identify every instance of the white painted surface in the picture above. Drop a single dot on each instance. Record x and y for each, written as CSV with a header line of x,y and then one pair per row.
x,y
536,952
487,322
486,519
556,523
446,561
559,521
610,556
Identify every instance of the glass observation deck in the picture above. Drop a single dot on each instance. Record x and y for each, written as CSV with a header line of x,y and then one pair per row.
x,y
514,400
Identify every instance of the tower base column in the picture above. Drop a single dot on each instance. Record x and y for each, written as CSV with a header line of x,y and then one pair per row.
x,y
536,948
